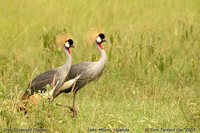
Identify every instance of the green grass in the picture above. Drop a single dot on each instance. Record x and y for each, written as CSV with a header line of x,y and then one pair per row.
x,y
152,77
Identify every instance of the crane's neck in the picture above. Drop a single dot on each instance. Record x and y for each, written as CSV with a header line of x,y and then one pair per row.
x,y
68,63
102,60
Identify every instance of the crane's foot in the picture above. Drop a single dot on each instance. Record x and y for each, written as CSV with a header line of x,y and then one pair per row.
x,y
72,109
74,112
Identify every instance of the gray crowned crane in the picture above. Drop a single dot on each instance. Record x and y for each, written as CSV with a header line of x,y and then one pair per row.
x,y
55,77
87,72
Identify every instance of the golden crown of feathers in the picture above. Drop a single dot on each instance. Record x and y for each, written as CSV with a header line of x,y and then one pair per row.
x,y
91,36
61,39
93,33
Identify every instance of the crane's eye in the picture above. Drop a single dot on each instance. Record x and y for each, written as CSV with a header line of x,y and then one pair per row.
x,y
67,44
98,39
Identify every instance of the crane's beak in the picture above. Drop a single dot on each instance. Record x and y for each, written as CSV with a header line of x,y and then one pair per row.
x,y
104,40
72,46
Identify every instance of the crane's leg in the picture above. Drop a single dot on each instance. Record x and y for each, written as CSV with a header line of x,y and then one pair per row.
x,y
73,109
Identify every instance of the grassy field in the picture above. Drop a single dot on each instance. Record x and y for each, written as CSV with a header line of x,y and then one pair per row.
x,y
152,78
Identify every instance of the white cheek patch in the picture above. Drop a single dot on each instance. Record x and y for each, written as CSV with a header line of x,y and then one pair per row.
x,y
98,39
67,44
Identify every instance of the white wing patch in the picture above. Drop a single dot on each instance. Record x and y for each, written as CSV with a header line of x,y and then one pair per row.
x,y
51,92
65,86
69,83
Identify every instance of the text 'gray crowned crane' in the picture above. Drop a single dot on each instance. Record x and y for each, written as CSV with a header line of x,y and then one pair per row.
x,y
55,77
87,71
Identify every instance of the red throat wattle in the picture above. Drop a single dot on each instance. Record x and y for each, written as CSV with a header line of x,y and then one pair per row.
x,y
100,46
68,50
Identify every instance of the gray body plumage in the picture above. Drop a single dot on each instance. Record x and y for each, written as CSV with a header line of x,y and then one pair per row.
x,y
51,77
88,71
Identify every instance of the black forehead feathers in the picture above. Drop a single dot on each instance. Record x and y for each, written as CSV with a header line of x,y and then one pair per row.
x,y
101,35
70,41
